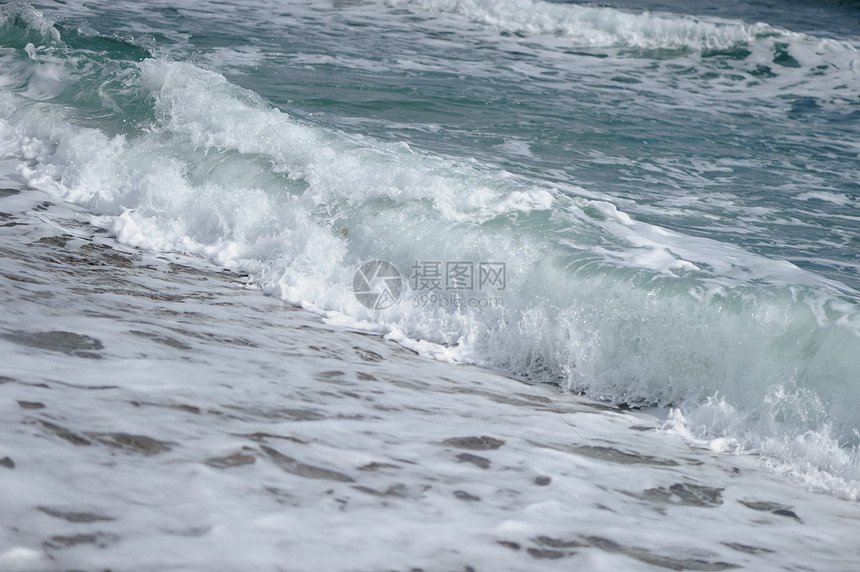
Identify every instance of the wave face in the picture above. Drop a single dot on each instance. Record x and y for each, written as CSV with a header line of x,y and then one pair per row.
x,y
751,352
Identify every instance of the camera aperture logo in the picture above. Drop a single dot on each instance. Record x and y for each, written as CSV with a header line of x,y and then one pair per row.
x,y
378,284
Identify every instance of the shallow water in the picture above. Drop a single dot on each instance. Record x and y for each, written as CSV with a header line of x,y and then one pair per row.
x,y
160,412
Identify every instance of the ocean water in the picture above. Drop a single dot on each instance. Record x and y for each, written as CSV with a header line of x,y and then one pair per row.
x,y
646,215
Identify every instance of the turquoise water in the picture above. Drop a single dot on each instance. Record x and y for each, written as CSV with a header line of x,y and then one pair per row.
x,y
674,196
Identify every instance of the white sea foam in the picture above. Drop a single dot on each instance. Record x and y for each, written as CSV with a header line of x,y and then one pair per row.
x,y
595,300
598,26
224,430
835,198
